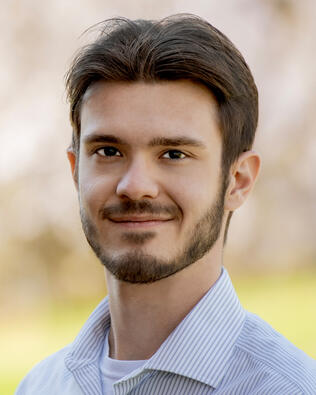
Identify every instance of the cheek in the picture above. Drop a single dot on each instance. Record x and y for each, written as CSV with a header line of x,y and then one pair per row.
x,y
94,186
94,192
192,193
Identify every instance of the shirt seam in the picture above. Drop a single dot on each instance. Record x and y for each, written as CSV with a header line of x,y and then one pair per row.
x,y
253,356
89,362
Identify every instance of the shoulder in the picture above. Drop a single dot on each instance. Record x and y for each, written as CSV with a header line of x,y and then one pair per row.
x,y
276,357
49,377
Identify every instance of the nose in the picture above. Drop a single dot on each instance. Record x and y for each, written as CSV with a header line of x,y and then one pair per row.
x,y
137,182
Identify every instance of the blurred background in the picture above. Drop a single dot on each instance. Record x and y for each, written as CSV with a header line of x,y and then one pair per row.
x,y
49,279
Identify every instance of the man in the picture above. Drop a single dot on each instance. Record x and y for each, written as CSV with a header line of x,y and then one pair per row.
x,y
164,116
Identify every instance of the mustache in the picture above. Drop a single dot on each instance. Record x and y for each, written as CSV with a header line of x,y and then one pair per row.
x,y
138,207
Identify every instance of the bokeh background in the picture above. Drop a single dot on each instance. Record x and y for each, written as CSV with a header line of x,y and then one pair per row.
x,y
49,279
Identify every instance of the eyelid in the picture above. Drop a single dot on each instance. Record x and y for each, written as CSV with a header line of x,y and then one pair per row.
x,y
96,151
119,154
175,150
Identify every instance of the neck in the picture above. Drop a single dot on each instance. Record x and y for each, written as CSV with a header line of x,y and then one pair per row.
x,y
144,315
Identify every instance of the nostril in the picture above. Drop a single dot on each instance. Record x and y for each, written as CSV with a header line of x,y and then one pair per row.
x,y
137,188
138,180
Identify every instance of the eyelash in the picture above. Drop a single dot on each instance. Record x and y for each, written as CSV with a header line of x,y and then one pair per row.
x,y
104,148
117,151
175,150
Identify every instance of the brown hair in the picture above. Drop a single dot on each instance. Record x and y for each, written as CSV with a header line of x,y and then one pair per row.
x,y
178,47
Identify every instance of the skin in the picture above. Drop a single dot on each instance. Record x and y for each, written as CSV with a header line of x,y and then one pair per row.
x,y
138,113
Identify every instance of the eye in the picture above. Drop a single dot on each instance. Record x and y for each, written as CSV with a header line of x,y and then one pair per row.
x,y
108,151
174,154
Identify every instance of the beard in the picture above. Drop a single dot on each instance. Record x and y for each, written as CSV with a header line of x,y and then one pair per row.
x,y
138,267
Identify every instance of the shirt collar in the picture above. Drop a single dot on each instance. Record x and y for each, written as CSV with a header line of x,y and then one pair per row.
x,y
198,348
83,357
88,345
202,343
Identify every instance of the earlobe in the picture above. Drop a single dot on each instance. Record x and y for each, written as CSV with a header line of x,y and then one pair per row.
x,y
72,157
244,174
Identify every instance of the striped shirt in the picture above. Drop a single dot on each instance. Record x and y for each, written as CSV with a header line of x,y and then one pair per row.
x,y
219,348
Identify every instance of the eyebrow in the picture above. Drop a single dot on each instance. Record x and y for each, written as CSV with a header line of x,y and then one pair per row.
x,y
155,142
102,138
176,141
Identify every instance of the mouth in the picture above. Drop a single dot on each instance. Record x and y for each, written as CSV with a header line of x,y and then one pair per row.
x,y
139,221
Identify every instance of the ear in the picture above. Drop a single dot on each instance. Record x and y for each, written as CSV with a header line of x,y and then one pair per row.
x,y
243,175
72,157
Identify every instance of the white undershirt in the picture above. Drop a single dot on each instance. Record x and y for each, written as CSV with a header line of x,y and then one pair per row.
x,y
113,370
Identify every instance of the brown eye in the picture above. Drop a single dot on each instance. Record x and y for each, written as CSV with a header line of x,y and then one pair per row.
x,y
108,151
174,154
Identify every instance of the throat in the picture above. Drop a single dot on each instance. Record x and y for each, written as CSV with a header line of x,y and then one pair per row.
x,y
144,315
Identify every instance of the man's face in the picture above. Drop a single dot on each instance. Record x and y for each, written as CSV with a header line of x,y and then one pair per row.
x,y
149,176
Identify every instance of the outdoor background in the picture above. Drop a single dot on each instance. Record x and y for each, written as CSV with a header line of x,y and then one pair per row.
x,y
49,279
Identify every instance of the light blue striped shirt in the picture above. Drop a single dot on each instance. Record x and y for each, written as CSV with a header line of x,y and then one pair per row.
x,y
219,348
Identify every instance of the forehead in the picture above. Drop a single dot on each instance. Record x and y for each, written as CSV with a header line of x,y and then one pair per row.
x,y
140,111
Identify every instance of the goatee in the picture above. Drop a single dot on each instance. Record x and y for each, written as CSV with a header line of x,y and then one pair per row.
x,y
138,267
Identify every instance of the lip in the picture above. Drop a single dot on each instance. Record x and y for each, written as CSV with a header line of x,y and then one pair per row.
x,y
138,222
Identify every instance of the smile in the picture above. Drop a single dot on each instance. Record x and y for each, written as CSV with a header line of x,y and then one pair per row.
x,y
138,222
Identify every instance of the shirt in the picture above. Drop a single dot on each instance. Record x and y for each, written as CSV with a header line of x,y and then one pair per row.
x,y
218,348
113,370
